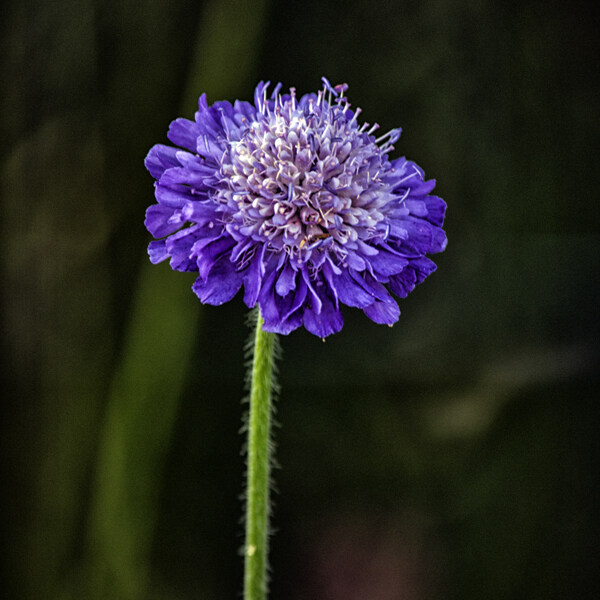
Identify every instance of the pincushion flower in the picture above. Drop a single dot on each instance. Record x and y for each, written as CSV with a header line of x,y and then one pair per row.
x,y
297,203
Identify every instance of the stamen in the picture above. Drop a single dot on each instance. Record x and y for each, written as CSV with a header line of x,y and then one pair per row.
x,y
353,120
328,86
340,88
337,177
276,91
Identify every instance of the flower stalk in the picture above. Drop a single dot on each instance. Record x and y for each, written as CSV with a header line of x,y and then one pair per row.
x,y
259,464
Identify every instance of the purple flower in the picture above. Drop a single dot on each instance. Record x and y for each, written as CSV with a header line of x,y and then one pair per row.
x,y
295,201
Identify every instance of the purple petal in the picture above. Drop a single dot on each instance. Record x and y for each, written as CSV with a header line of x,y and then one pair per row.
x,y
403,283
418,208
157,251
222,284
162,220
190,177
282,315
298,297
423,189
194,162
384,312
373,287
406,174
327,321
209,147
210,253
387,263
161,158
329,272
284,326
199,212
290,323
366,249
169,197
179,246
286,281
253,277
207,119
355,262
414,237
350,292
436,209
184,133
243,111
314,299
268,307
288,312
439,240
423,268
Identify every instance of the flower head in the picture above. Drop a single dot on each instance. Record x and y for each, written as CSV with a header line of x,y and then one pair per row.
x,y
295,201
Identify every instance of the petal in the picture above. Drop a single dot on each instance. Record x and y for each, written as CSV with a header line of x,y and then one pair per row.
x,y
405,174
284,326
418,208
184,133
180,248
298,297
199,212
436,209
286,281
423,267
170,197
366,249
253,277
206,118
387,263
355,262
222,283
162,220
372,286
244,112
327,321
403,283
314,299
413,237
423,189
289,324
439,241
350,292
329,273
194,162
385,312
282,315
157,252
161,158
289,311
209,147
191,177
268,307
210,253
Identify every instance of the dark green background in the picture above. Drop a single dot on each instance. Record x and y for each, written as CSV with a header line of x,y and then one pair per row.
x,y
453,456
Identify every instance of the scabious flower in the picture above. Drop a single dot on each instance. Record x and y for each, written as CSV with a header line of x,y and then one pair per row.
x,y
295,201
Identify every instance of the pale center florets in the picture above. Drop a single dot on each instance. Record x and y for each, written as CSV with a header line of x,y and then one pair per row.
x,y
307,177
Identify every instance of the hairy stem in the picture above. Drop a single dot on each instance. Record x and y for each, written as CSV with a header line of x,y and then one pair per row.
x,y
259,465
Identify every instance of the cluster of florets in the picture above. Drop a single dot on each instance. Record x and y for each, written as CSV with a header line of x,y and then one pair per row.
x,y
296,202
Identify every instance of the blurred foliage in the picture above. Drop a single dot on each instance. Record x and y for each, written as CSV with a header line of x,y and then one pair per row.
x,y
453,456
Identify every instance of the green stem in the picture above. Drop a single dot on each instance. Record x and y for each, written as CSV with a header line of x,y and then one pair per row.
x,y
259,465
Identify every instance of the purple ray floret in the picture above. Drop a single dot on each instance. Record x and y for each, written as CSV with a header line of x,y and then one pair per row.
x,y
295,201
